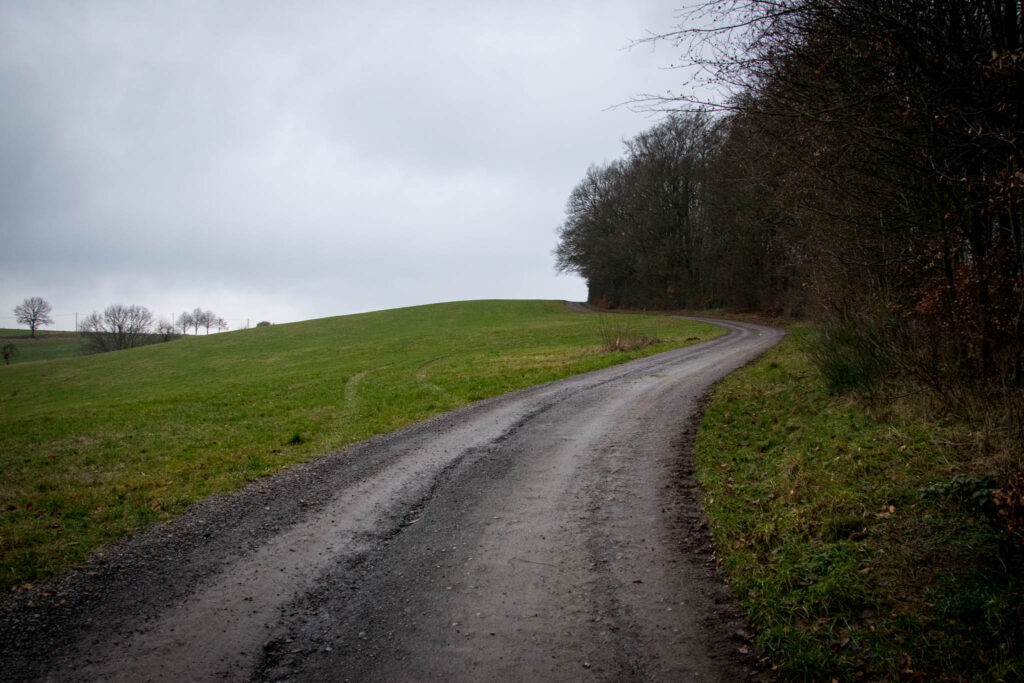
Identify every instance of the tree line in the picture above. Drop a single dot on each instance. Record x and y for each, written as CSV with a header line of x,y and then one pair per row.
x,y
124,327
867,168
120,326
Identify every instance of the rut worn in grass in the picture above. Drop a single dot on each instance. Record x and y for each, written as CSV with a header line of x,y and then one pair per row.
x,y
854,544
94,447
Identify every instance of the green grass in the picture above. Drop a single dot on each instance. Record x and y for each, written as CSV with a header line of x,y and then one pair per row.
x,y
46,345
94,447
853,542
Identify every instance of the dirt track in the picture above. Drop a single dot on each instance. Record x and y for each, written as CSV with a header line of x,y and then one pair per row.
x,y
550,534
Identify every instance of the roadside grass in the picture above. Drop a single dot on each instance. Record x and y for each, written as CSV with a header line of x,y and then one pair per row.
x,y
855,542
46,345
94,447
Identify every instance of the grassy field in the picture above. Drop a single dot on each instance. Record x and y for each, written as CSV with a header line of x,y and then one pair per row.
x,y
94,447
857,543
46,345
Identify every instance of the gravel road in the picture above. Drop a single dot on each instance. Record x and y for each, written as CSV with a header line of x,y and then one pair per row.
x,y
550,534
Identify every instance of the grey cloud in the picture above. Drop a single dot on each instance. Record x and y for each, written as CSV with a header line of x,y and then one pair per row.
x,y
310,158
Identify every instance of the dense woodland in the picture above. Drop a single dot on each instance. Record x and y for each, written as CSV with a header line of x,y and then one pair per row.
x,y
865,169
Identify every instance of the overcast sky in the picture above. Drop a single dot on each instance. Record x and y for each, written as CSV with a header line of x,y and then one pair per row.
x,y
295,160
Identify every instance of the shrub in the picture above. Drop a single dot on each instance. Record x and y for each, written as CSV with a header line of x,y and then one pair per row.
x,y
974,491
856,351
617,334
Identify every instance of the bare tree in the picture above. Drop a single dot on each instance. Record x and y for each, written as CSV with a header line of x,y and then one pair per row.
x,y
199,319
217,323
198,316
34,312
120,327
166,329
882,140
209,320
192,321
185,322
638,230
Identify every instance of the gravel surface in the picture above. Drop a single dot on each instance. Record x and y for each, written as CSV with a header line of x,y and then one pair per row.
x,y
554,533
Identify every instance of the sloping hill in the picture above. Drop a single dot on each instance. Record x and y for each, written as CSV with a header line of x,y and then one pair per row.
x,y
96,446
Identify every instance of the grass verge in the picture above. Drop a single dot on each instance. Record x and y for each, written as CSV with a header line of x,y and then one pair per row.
x,y
857,546
94,447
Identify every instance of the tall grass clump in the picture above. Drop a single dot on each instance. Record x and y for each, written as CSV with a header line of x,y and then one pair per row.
x,y
855,352
618,333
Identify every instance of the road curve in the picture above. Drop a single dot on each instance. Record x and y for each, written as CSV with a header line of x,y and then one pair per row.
x,y
549,534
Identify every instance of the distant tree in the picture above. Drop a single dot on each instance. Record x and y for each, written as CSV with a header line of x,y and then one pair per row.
x,y
120,327
192,321
638,231
166,329
198,317
185,322
211,320
9,351
264,323
34,312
